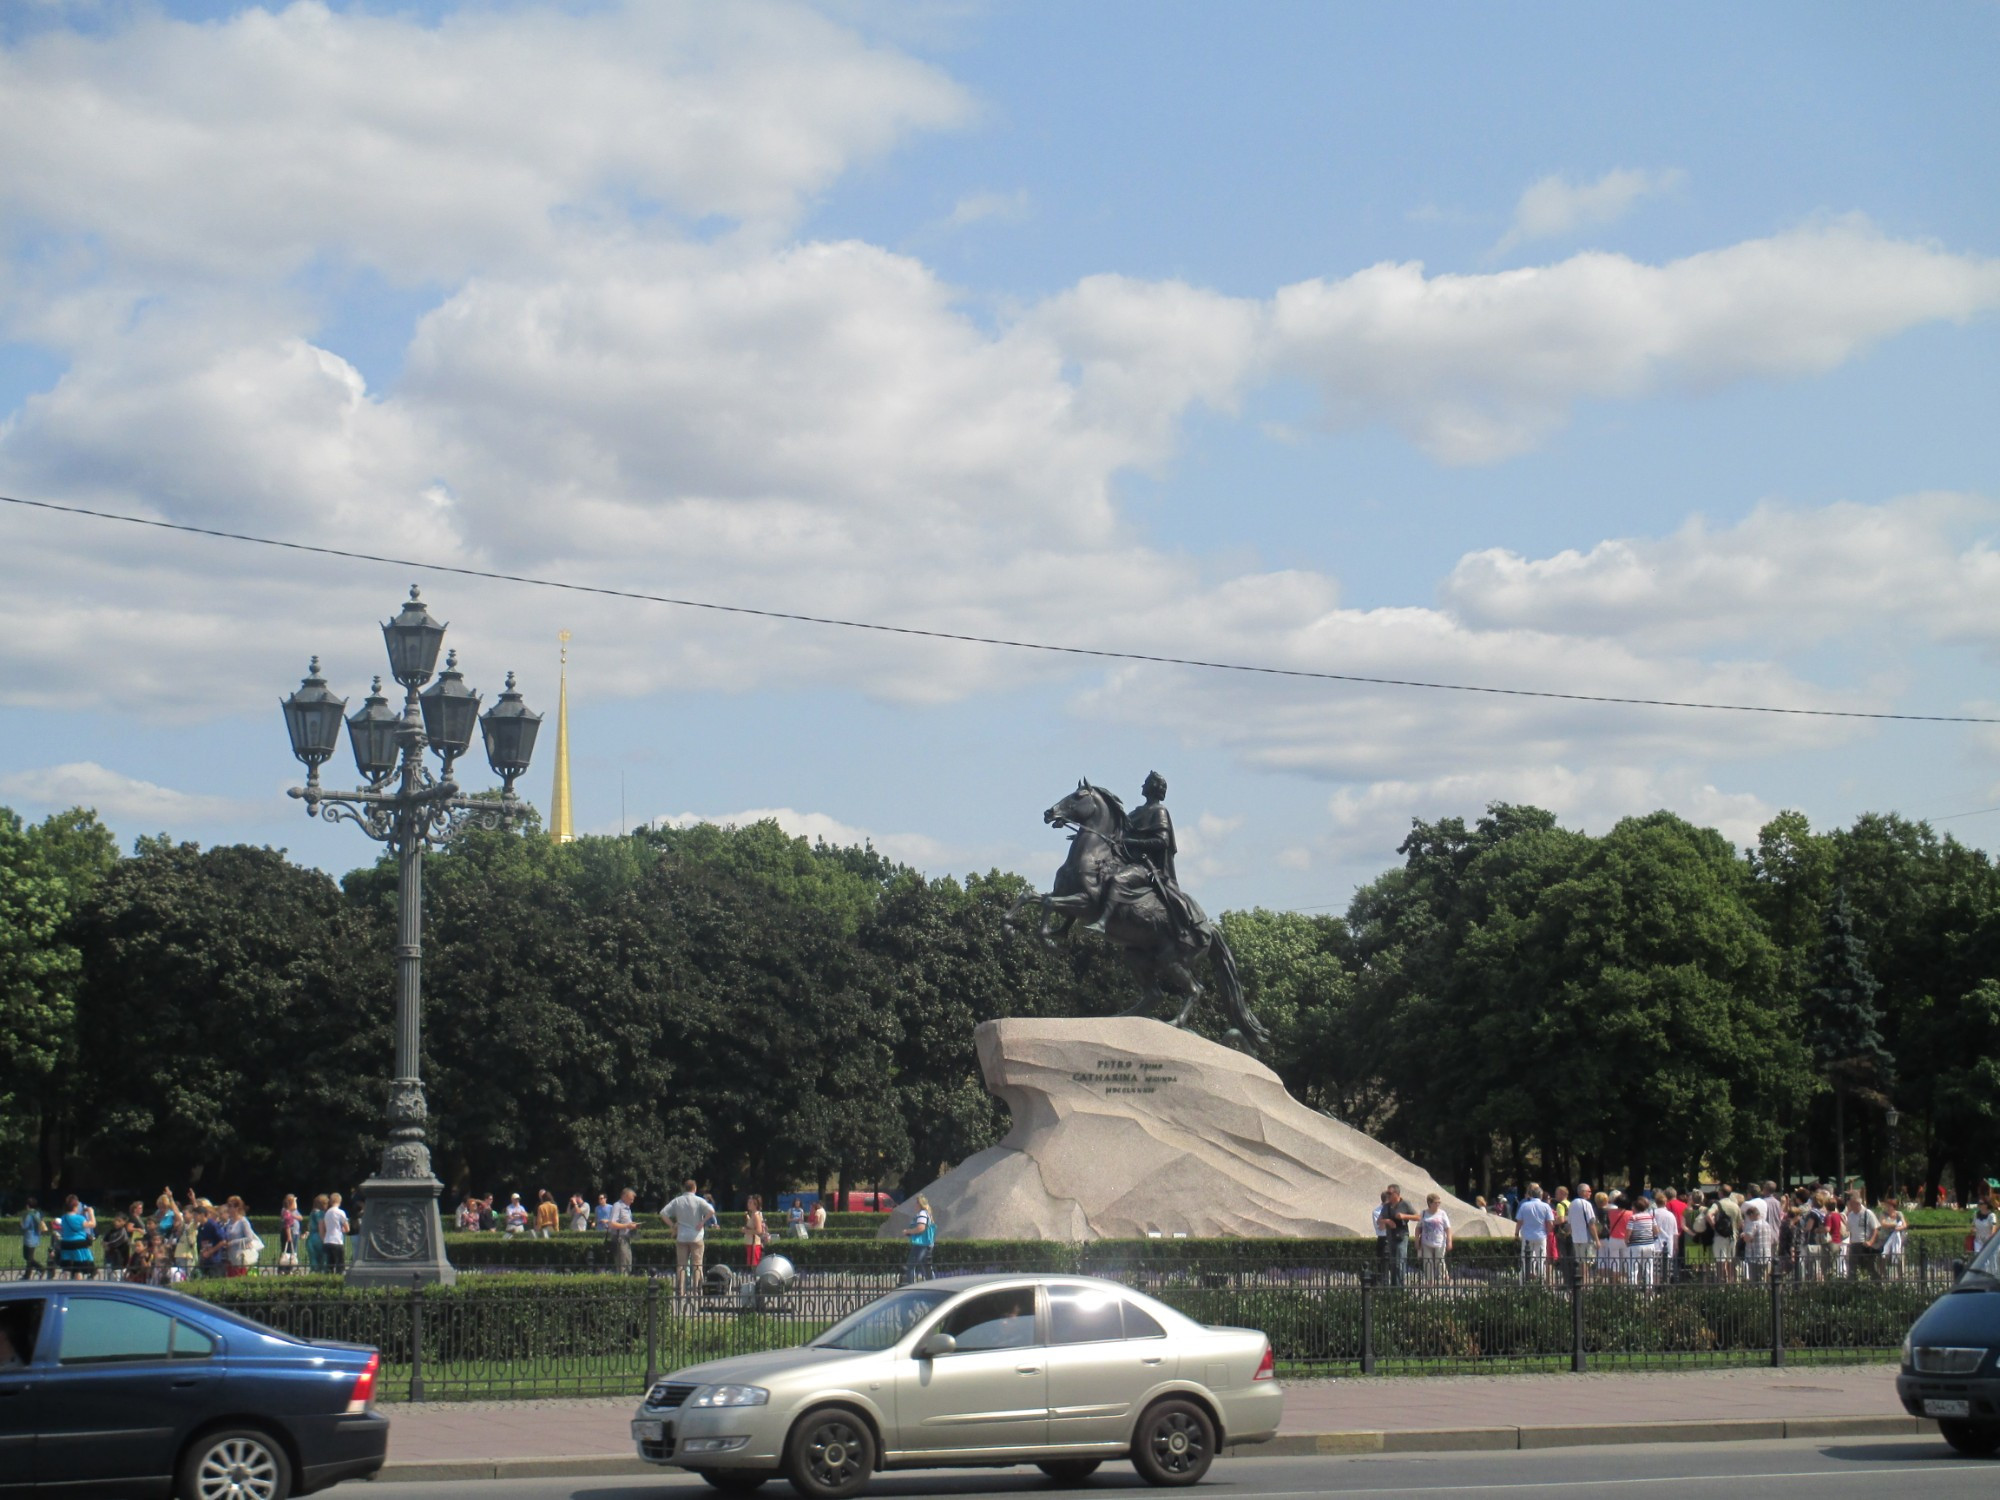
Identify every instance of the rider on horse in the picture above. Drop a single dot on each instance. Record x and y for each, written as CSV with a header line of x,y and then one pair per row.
x,y
1149,842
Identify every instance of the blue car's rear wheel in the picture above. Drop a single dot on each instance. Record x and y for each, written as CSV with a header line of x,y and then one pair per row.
x,y
238,1463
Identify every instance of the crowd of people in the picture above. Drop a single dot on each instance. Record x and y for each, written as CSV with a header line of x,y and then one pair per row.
x,y
1642,1236
177,1238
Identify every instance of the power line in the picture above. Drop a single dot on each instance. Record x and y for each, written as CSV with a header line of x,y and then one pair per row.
x,y
1099,653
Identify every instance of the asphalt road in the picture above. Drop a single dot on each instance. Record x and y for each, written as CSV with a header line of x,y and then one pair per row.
x,y
1861,1468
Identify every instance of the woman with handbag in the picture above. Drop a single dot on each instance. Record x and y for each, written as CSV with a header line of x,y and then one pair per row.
x,y
74,1232
755,1237
291,1224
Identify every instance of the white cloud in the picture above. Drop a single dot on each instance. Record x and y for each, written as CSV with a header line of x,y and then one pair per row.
x,y
915,849
1554,206
1477,368
122,800
1784,575
268,140
1369,819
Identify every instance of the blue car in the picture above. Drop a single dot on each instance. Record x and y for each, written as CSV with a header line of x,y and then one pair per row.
x,y
113,1389
1951,1360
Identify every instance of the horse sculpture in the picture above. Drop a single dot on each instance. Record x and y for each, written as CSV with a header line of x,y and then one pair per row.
x,y
1104,887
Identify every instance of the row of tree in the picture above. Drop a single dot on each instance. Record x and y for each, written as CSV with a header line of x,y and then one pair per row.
x,y
1514,999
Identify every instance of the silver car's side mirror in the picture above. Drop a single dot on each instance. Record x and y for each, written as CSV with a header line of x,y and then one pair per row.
x,y
936,1344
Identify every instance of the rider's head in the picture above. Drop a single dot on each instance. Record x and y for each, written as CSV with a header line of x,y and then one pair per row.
x,y
1156,785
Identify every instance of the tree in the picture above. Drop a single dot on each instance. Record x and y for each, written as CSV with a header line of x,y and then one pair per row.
x,y
47,873
1841,1020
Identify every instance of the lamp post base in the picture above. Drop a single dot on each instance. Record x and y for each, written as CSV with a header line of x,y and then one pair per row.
x,y
402,1236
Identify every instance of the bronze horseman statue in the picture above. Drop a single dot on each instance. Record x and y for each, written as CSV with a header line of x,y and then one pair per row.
x,y
1120,879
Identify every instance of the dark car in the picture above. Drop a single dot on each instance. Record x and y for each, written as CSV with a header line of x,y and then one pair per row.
x,y
1951,1360
109,1388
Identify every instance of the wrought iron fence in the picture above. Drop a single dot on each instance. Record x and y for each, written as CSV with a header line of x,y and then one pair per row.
x,y
495,1337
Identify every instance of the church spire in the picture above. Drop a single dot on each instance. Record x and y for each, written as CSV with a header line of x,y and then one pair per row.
x,y
562,827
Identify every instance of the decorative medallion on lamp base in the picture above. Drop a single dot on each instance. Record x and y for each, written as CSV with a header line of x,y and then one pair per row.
x,y
401,1241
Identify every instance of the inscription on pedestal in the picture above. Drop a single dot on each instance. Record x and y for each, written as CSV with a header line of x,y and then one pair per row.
x,y
1113,1075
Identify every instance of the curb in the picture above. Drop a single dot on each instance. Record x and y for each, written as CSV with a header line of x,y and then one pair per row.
x,y
1291,1444
1581,1435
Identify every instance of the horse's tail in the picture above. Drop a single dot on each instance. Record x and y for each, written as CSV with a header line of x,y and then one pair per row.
x,y
1230,984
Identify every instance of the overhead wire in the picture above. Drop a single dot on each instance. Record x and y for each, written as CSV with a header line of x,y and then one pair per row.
x,y
962,638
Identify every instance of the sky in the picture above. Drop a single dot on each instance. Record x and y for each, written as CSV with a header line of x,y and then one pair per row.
x,y
1629,352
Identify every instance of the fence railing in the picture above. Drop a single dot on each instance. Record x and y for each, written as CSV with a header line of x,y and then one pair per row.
x,y
488,1338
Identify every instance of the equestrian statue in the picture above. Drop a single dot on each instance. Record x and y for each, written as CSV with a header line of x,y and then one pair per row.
x,y
1120,880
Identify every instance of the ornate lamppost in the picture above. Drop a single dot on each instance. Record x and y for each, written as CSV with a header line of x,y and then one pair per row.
x,y
1892,1117
407,808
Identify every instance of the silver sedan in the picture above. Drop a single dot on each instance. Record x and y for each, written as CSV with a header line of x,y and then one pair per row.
x,y
1058,1371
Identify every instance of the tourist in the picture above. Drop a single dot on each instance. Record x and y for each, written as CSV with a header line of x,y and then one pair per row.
x,y
241,1238
754,1234
1864,1237
688,1216
1582,1218
517,1215
579,1213
817,1219
1818,1234
1671,1210
619,1228
1397,1217
333,1234
211,1242
1611,1255
1893,1227
291,1226
167,1219
467,1218
315,1227
1642,1242
33,1227
75,1229
795,1219
1985,1218
548,1218
1760,1240
1725,1220
922,1235
1533,1220
1434,1240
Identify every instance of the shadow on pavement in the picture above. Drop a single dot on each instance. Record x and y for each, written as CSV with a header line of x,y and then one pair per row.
x,y
1913,1451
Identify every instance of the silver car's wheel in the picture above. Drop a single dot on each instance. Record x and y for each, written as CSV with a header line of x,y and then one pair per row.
x,y
1175,1443
1070,1470
831,1454
239,1464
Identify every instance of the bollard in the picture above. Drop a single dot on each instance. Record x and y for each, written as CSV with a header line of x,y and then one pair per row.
x,y
1777,1319
652,1328
416,1338
1367,1322
1577,1361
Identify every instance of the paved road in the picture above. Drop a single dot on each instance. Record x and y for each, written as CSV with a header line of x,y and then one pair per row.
x,y
1863,1469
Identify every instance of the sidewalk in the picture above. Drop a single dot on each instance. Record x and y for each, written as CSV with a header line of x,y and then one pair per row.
x,y
523,1439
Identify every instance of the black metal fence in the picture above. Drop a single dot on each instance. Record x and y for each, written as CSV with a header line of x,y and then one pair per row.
x,y
499,1337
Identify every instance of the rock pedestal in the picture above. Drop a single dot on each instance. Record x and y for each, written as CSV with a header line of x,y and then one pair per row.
x,y
1125,1127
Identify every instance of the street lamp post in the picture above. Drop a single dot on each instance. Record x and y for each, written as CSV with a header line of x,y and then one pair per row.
x,y
1892,1118
407,808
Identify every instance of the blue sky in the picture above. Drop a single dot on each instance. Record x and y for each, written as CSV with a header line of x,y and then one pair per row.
x,y
1623,352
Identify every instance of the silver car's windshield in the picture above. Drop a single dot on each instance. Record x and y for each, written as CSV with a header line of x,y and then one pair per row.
x,y
882,1322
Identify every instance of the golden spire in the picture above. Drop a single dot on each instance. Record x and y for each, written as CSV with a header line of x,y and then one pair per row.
x,y
561,826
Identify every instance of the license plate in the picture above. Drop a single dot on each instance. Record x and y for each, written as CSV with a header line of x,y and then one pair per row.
x,y
1934,1408
648,1432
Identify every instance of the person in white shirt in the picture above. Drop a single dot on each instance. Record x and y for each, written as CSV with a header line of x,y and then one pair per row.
x,y
1532,1222
517,1215
333,1234
1670,1233
1583,1228
689,1216
1434,1240
620,1227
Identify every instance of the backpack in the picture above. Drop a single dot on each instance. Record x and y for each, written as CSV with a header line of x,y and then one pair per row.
x,y
1725,1227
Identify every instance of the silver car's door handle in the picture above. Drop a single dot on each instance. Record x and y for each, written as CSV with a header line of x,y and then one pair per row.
x,y
1027,1369
1150,1360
